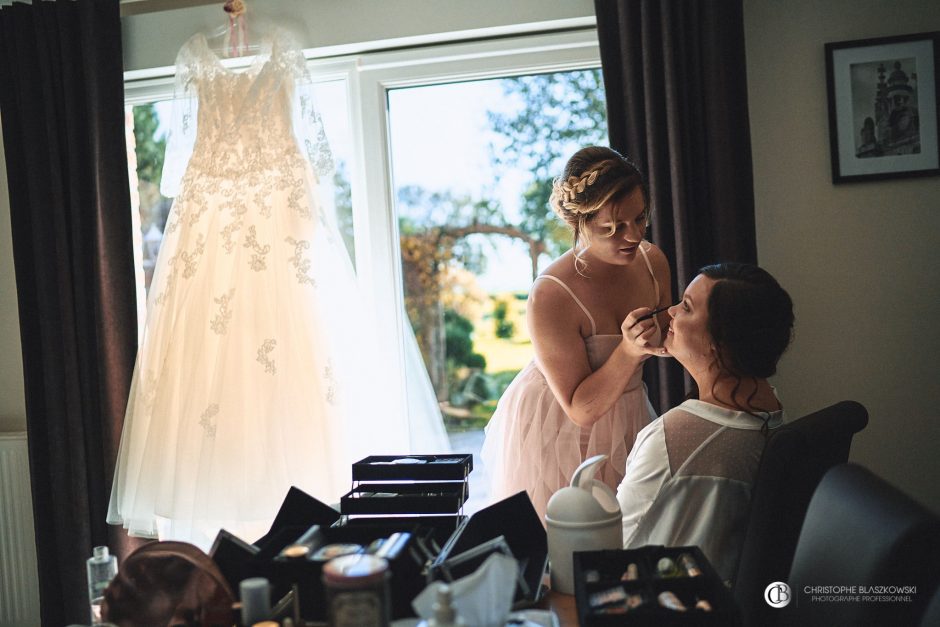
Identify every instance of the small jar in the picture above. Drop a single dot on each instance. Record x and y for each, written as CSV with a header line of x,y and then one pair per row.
x,y
666,568
689,565
357,592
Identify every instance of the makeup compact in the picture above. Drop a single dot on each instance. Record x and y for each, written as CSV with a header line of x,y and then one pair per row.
x,y
652,585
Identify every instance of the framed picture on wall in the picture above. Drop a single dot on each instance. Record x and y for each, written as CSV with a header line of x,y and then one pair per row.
x,y
883,96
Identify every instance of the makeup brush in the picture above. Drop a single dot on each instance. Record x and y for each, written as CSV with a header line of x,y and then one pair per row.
x,y
652,313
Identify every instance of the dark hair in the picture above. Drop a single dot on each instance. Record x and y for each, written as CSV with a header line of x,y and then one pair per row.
x,y
750,319
593,177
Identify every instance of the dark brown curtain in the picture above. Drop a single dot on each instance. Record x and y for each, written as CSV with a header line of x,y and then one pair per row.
x,y
62,110
674,74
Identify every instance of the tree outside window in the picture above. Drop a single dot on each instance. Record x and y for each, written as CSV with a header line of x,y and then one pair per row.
x,y
474,340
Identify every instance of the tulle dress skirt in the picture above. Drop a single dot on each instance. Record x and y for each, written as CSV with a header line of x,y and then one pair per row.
x,y
256,371
532,445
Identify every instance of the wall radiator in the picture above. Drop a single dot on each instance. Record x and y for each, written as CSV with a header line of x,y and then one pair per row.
x,y
19,581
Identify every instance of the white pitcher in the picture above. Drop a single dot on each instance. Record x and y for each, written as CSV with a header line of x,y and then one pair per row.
x,y
582,517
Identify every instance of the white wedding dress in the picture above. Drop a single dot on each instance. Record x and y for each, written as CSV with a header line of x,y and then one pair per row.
x,y
257,368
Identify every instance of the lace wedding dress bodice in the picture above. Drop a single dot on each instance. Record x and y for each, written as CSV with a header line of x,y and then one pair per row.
x,y
243,122
257,338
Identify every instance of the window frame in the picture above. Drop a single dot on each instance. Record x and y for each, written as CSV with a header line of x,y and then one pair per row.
x,y
368,78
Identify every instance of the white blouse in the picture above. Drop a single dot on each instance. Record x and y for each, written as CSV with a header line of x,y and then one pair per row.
x,y
688,480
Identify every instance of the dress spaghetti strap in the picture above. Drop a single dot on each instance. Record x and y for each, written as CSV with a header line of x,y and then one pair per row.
x,y
576,299
649,267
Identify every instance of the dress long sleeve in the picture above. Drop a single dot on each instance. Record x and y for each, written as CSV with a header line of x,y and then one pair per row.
x,y
647,470
181,136
307,123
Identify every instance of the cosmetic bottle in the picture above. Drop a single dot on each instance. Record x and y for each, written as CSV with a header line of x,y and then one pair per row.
x,y
444,613
255,594
357,591
101,567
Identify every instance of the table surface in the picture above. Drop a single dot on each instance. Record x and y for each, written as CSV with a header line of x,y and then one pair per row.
x,y
563,606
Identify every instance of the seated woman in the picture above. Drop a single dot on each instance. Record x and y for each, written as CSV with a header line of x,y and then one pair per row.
x,y
689,475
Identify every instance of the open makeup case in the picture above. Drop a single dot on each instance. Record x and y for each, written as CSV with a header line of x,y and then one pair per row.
x,y
407,509
651,585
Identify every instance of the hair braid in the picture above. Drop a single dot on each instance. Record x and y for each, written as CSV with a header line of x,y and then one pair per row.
x,y
565,192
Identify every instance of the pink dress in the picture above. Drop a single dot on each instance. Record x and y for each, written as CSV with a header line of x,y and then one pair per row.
x,y
532,445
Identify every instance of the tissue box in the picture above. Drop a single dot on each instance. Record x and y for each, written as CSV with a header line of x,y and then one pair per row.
x,y
516,521
597,578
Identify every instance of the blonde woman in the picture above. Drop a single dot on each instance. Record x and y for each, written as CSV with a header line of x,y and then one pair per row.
x,y
583,394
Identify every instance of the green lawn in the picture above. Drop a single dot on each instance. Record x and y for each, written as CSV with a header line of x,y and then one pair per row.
x,y
504,358
509,354
503,354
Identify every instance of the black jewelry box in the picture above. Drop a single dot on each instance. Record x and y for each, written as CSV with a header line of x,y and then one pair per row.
x,y
454,467
408,484
598,577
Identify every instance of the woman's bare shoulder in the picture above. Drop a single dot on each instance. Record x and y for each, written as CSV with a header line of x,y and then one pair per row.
x,y
547,291
551,293
659,263
656,255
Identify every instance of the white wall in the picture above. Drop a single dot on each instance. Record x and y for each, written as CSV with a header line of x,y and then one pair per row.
x,y
861,260
151,40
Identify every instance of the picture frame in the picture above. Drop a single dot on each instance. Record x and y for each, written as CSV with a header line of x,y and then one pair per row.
x,y
883,115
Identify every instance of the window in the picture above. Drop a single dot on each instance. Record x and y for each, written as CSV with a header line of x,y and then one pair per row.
x,y
471,201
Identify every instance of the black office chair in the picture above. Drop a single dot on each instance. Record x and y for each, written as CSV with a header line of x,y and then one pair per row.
x,y
795,458
862,531
931,617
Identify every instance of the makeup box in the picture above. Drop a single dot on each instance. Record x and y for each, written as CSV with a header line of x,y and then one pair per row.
x,y
386,485
637,587
414,506
421,494
402,508
304,569
291,556
238,560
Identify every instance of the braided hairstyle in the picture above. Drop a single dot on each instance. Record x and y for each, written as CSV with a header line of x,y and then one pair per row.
x,y
594,177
